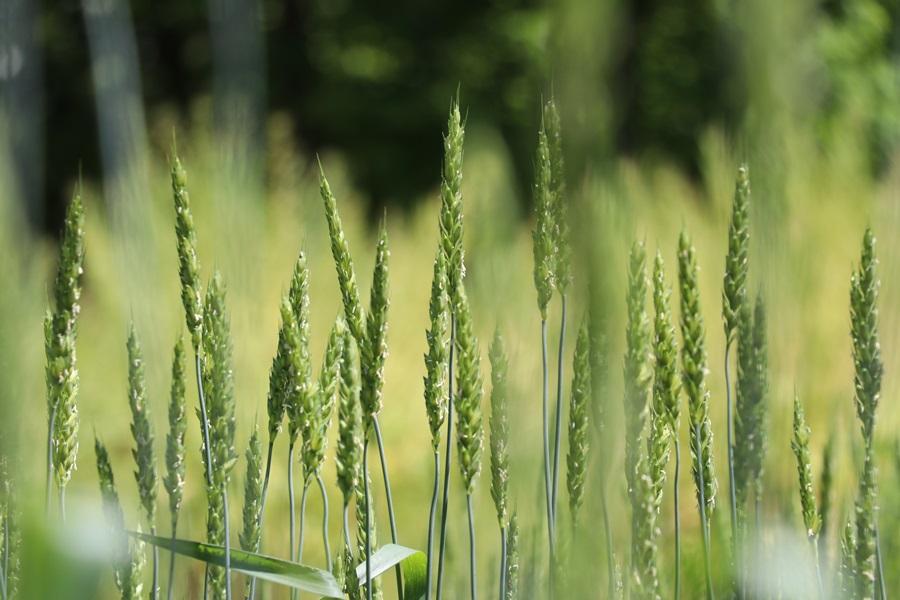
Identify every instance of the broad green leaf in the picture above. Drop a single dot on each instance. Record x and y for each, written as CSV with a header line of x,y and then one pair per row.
x,y
413,563
301,577
415,576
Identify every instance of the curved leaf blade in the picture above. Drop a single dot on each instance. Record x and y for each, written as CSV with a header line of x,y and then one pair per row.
x,y
301,577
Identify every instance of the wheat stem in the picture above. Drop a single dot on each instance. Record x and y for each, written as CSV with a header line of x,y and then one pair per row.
x,y
292,526
302,522
559,411
730,433
879,564
446,501
346,525
547,473
677,520
472,545
815,554
503,548
431,518
704,523
390,501
368,553
325,522
172,561
262,506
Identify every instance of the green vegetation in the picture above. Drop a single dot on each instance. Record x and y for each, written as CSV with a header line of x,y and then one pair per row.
x,y
649,546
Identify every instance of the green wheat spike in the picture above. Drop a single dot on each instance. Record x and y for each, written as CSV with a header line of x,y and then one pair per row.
x,y
374,347
869,370
343,262
499,428
577,458
438,352
451,216
350,434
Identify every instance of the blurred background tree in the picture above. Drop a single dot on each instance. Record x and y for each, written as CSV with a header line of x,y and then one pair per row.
x,y
371,80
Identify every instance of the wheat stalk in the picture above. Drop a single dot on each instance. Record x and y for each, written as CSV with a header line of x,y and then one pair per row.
x,y
500,445
60,332
869,370
250,535
175,447
693,364
144,453
811,519
218,382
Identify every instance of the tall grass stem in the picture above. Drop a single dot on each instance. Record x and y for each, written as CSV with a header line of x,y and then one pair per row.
x,y
302,522
154,592
325,522
365,467
730,432
292,526
262,507
390,501
446,501
172,561
503,547
677,520
815,555
878,563
704,523
474,584
432,515
610,558
547,474
559,406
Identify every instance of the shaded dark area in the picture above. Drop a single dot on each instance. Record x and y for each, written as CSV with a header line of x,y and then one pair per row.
x,y
373,80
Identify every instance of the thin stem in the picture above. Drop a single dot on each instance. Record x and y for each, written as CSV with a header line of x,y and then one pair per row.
x,y
325,522
368,520
503,546
292,527
62,503
815,554
172,560
49,461
677,521
446,501
610,557
154,591
758,513
262,507
547,474
704,524
559,408
205,420
472,545
302,522
431,517
880,564
730,430
390,502
227,544
346,521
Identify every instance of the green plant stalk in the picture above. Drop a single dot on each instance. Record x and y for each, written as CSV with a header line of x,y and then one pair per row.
x,y
559,409
292,527
172,560
547,473
704,523
472,546
815,554
346,525
4,567
154,592
209,478
730,433
879,572
503,548
365,467
325,522
677,519
390,501
262,506
302,522
432,515
446,501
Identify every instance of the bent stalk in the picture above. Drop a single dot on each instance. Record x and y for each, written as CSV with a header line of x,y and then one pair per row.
x,y
390,501
431,518
325,522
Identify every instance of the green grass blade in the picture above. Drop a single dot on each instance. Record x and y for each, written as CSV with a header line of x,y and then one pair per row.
x,y
386,557
301,577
